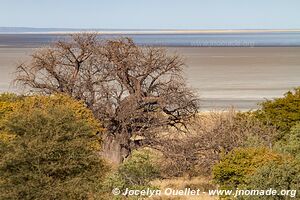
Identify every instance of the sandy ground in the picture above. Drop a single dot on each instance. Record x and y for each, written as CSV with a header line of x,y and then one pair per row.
x,y
223,76
10,58
241,77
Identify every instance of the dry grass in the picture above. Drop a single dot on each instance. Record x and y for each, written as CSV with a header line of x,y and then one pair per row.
x,y
204,184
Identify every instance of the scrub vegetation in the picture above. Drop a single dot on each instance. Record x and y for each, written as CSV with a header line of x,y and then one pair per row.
x,y
101,115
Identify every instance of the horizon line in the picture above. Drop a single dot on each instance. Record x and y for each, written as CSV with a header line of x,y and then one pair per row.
x,y
133,31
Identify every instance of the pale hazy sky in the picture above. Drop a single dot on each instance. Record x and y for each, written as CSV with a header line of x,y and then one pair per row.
x,y
152,14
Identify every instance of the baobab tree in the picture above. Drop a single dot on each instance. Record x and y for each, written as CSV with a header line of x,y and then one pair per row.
x,y
132,90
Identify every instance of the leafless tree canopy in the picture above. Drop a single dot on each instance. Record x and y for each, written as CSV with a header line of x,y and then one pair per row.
x,y
211,134
133,90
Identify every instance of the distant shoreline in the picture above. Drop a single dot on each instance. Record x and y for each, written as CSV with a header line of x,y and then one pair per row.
x,y
29,30
263,39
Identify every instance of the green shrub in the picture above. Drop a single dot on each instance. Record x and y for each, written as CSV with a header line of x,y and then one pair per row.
x,y
234,167
290,143
281,112
284,176
280,176
136,172
52,155
139,169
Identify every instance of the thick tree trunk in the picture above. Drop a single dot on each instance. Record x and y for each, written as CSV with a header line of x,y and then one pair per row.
x,y
115,148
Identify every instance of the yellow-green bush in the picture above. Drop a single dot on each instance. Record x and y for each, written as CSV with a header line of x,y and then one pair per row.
x,y
52,154
278,176
290,143
281,112
234,167
136,172
7,104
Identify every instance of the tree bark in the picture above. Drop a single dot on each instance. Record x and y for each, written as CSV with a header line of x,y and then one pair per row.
x,y
115,148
